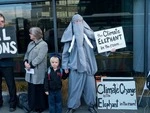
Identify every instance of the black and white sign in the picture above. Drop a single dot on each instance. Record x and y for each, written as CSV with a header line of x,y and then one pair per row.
x,y
116,93
109,39
8,43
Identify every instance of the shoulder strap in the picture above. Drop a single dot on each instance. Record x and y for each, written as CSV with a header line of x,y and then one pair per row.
x,y
61,71
34,46
49,70
48,73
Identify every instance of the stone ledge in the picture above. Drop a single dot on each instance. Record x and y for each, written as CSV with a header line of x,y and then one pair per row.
x,y
22,87
145,101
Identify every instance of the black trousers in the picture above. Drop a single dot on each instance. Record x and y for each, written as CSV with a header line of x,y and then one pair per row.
x,y
37,99
7,73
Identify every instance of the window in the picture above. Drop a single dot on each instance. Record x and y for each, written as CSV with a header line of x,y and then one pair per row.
x,y
23,16
103,14
99,14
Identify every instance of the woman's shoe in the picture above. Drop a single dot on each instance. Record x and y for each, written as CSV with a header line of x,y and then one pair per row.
x,y
11,109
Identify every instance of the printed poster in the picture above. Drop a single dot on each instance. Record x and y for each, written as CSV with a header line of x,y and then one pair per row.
x,y
109,39
116,93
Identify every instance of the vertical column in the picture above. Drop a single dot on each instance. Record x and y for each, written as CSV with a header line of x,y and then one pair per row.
x,y
138,35
55,25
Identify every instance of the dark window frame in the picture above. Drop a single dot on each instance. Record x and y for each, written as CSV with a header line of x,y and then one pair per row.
x,y
2,2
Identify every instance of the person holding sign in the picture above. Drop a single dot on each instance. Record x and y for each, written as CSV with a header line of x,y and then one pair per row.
x,y
35,62
78,56
6,69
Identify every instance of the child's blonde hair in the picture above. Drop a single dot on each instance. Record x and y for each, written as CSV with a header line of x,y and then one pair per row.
x,y
54,58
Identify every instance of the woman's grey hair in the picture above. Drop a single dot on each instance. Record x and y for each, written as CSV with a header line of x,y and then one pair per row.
x,y
37,32
1,15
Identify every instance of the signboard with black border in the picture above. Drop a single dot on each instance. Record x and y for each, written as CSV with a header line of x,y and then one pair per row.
x,y
8,43
109,39
116,93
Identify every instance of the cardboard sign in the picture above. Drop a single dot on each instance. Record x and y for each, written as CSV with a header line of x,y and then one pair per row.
x,y
116,93
109,39
8,43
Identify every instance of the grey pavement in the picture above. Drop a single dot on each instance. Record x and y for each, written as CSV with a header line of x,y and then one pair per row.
x,y
83,109
5,109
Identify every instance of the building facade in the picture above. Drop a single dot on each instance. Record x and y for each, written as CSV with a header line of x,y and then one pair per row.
x,y
53,16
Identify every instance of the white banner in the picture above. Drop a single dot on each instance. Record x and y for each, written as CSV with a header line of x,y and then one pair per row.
x,y
109,39
116,93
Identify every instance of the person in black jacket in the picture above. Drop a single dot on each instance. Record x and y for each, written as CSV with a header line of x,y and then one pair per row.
x,y
6,69
53,84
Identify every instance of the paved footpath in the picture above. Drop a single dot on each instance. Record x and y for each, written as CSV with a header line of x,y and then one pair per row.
x,y
82,109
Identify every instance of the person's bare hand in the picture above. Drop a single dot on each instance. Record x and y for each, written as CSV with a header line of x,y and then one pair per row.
x,y
113,50
27,65
66,71
46,93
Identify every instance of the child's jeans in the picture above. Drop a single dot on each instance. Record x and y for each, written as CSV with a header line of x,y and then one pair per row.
x,y
55,101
